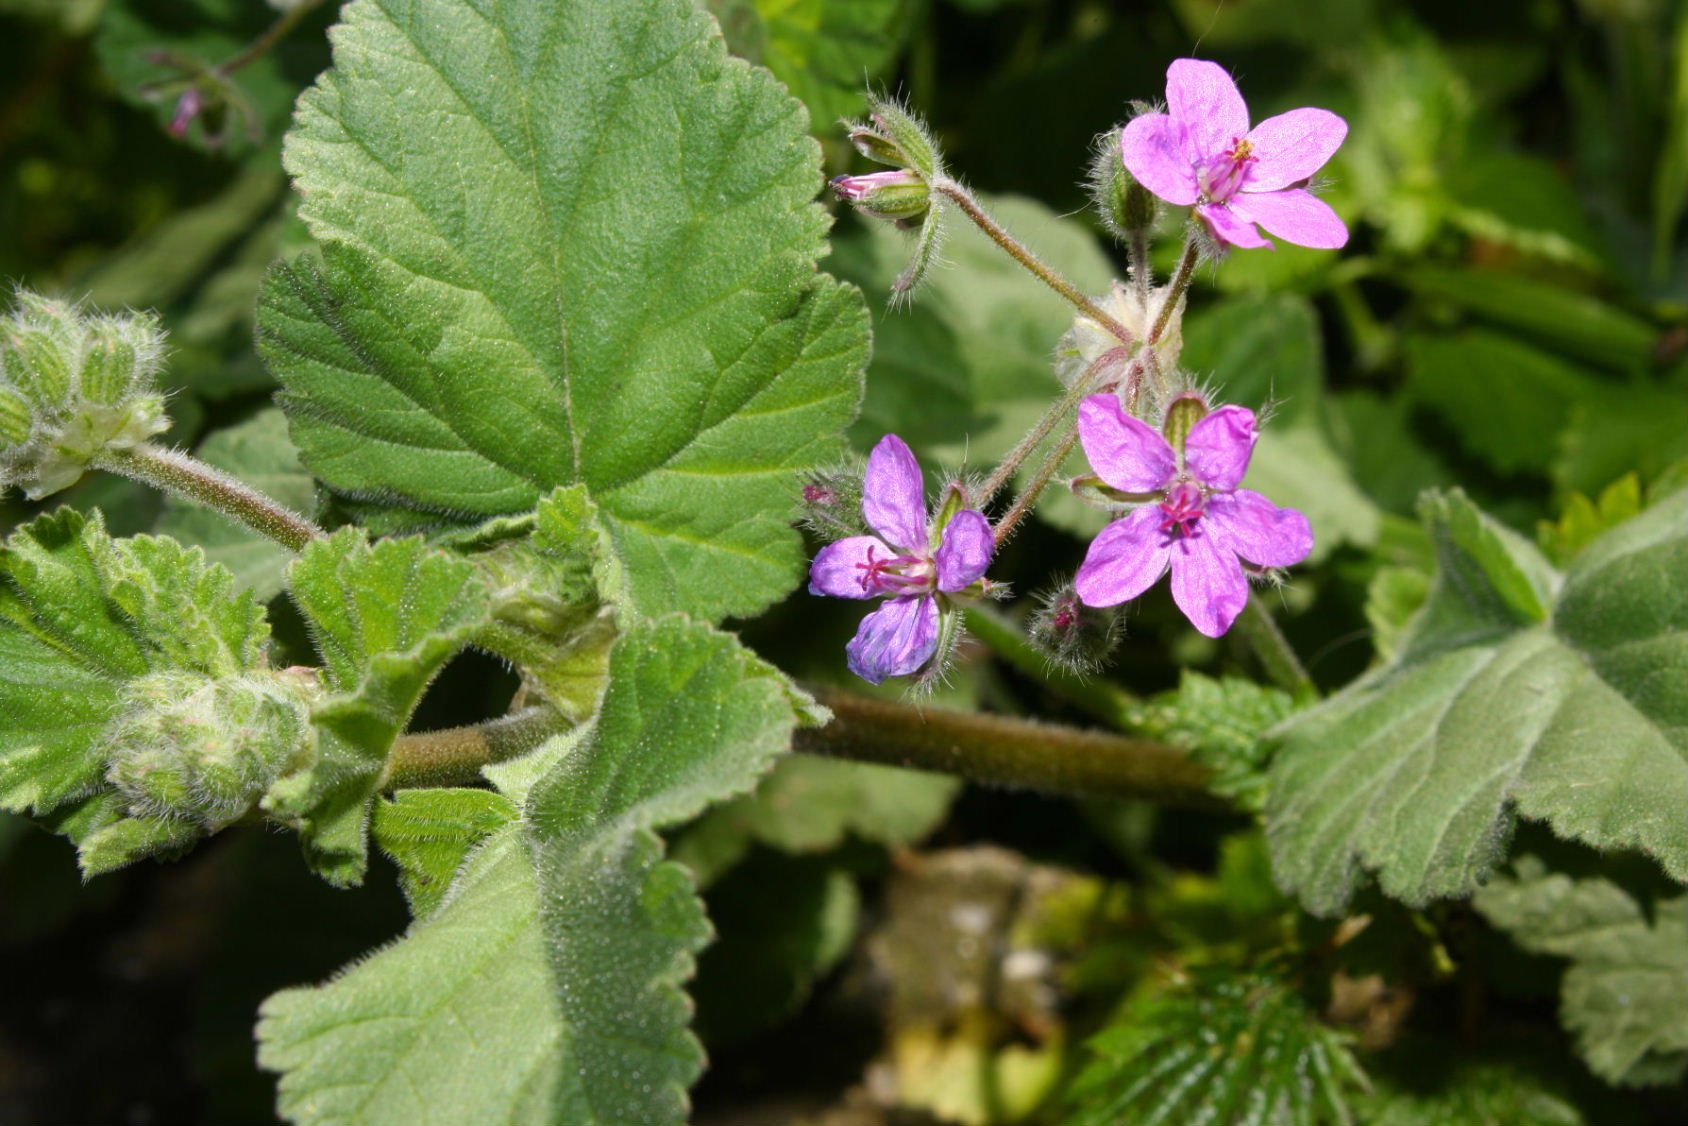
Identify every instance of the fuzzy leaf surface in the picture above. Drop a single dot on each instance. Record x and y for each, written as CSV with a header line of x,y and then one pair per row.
x,y
1514,690
546,986
1624,997
826,51
430,833
565,243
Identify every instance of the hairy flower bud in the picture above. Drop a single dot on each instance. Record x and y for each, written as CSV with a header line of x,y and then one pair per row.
x,y
194,748
894,136
1182,414
1074,636
1087,342
832,502
1126,206
900,196
73,385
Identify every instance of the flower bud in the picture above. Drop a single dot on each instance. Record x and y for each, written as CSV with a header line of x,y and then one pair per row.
x,y
121,357
195,748
899,195
892,135
1182,414
832,502
1087,342
17,420
1074,636
1126,206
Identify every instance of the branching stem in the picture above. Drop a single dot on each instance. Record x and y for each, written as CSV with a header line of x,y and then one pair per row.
x,y
1080,388
182,475
265,43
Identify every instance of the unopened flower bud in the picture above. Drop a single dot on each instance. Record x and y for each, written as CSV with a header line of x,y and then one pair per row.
x,y
1126,206
17,420
898,195
892,135
832,502
1074,636
195,748
1088,342
122,356
1182,414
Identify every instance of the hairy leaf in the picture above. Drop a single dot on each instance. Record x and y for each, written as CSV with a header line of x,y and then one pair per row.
x,y
826,51
1225,1051
386,617
546,986
1222,723
565,243
430,833
1514,690
1624,996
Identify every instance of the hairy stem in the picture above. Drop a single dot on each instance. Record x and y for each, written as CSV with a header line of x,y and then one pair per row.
x,y
182,475
1001,751
454,757
1270,645
1175,292
265,43
1023,255
1103,700
1080,388
1137,259
1028,496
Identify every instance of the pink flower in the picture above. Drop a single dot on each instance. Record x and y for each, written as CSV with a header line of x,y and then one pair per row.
x,y
911,561
1202,527
1203,154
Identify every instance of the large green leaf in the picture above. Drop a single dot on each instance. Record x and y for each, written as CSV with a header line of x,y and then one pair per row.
x,y
386,617
546,987
826,51
569,242
1624,996
1514,690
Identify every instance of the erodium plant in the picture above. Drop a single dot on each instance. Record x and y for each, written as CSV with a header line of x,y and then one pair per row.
x,y
561,373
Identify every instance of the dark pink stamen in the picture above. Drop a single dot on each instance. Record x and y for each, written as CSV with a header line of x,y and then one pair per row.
x,y
1183,506
879,574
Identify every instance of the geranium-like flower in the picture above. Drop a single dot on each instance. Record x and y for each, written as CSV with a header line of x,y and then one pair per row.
x,y
1196,520
1203,154
914,561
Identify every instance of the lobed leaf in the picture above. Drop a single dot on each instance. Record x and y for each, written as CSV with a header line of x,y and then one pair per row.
x,y
566,243
1513,690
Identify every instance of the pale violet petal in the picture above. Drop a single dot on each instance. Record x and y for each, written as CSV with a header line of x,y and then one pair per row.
x,y
1258,530
1204,100
1229,228
1293,146
1295,216
1219,447
1208,583
895,640
1155,152
1126,452
1124,560
894,495
966,552
839,569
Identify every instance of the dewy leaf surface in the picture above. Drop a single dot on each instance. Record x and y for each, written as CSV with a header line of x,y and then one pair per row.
x,y
1625,995
1512,691
546,985
567,242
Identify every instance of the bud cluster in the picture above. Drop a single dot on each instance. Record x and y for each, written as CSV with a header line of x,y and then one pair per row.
x,y
194,748
71,385
893,136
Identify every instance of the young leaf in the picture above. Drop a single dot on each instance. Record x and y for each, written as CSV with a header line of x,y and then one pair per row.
x,y
1624,996
386,617
81,617
1227,1049
1222,724
580,248
1427,1088
1511,691
545,988
430,833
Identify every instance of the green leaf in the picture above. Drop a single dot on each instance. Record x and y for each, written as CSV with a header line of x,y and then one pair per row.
x,y
1222,723
1624,996
545,988
386,617
258,452
1632,428
81,615
826,51
1583,519
808,804
580,248
430,833
1429,1088
1505,400
1226,1048
1513,691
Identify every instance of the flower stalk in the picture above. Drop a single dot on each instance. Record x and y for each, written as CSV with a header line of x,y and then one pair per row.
x,y
181,475
454,756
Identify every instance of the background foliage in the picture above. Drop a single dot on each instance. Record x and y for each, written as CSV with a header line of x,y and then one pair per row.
x,y
1507,328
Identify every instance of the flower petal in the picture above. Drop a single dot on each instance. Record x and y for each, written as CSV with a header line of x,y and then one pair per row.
x,y
1154,149
1292,146
1219,446
895,640
894,494
1126,452
1208,582
839,567
1258,530
1295,215
966,551
1207,104
1124,560
1228,226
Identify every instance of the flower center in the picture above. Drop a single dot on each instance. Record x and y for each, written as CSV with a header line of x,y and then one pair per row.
x,y
895,574
1183,506
1222,176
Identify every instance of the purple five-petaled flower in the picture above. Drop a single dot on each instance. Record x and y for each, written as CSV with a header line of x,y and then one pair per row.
x,y
1201,524
910,562
1203,154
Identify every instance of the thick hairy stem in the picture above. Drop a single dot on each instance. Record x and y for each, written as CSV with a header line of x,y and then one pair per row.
x,y
1080,388
1000,751
454,757
182,475
1175,292
1270,645
1023,255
